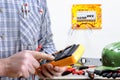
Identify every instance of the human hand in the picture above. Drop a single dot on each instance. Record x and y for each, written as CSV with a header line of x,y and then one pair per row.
x,y
24,63
50,71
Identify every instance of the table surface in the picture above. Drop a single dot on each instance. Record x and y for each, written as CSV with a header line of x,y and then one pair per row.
x,y
82,77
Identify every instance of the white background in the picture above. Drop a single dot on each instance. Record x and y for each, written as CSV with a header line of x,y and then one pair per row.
x,y
93,40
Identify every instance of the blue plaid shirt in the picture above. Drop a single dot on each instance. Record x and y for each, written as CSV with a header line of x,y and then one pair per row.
x,y
24,24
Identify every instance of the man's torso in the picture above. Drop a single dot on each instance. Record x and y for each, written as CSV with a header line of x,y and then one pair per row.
x,y
20,25
20,22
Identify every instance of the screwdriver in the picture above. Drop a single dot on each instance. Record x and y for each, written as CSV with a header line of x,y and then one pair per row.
x,y
104,74
114,75
98,72
86,67
68,71
109,75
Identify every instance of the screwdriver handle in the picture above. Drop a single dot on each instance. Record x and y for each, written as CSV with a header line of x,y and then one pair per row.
x,y
83,67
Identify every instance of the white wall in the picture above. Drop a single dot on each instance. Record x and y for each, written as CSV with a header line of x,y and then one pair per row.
x,y
95,40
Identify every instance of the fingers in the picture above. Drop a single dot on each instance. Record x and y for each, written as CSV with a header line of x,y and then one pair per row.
x,y
31,64
19,74
60,69
52,71
49,71
26,63
41,75
39,55
45,72
31,69
25,72
35,63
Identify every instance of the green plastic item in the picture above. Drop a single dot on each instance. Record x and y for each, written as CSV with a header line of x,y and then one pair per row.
x,y
110,57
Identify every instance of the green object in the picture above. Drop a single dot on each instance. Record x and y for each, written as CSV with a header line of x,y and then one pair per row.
x,y
110,57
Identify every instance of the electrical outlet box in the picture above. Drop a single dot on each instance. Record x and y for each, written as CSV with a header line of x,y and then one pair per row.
x,y
86,16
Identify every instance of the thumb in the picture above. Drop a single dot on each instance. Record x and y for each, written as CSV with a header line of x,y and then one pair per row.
x,y
40,55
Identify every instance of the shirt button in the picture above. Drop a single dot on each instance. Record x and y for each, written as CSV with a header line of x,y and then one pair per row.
x,y
2,36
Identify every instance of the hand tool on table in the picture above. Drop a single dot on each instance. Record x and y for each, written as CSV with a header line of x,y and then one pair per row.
x,y
108,73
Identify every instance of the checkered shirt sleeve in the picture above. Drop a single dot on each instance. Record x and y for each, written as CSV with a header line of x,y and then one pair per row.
x,y
24,28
